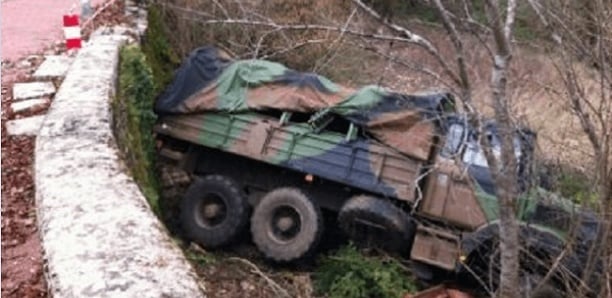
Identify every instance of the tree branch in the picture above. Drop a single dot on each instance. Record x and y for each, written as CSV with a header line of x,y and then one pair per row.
x,y
414,39
464,83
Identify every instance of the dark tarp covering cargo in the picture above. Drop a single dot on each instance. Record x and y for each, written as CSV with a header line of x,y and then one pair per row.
x,y
210,81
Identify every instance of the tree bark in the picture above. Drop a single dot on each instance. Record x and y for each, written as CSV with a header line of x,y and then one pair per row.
x,y
505,173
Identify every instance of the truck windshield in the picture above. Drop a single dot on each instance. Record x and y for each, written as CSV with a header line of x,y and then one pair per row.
x,y
458,138
463,144
474,153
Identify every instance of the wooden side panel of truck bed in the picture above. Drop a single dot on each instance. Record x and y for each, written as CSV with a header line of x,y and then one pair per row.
x,y
361,162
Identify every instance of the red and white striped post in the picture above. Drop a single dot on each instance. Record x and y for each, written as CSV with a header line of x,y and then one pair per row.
x,y
72,31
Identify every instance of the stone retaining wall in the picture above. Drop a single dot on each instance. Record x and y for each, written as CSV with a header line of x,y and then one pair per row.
x,y
99,236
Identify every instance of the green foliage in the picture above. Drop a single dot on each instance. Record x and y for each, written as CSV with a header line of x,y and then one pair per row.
x,y
160,55
567,180
200,257
349,274
577,187
134,120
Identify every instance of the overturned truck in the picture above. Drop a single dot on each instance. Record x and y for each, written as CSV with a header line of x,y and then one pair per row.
x,y
272,147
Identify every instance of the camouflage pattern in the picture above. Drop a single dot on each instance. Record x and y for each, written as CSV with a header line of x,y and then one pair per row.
x,y
400,121
361,162
391,144
391,148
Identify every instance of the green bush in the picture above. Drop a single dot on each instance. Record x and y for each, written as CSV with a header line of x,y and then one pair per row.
x,y
577,187
349,274
134,120
567,180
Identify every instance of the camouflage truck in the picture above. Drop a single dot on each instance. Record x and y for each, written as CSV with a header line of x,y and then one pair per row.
x,y
404,172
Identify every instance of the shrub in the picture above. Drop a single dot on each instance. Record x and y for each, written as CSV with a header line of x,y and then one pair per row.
x,y
567,180
134,120
349,274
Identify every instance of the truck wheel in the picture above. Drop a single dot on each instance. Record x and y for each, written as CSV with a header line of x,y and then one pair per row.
x,y
377,223
213,211
286,225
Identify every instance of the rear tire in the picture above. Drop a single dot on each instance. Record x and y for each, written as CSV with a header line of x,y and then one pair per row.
x,y
213,211
286,225
373,222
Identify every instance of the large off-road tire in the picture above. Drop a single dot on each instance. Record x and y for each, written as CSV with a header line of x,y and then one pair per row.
x,y
377,223
213,211
286,225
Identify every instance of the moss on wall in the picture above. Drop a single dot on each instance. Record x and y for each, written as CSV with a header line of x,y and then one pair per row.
x,y
156,46
134,120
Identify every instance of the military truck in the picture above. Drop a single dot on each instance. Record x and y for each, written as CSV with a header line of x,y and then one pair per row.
x,y
270,147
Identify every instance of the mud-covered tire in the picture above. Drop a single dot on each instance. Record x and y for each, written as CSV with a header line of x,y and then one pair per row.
x,y
377,223
286,225
213,211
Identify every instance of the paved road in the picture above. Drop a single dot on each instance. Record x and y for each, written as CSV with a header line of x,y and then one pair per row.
x,y
29,26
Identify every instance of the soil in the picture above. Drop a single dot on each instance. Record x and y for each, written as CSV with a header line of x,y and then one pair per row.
x,y
241,272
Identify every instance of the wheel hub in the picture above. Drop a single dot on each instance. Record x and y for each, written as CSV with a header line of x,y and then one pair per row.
x,y
211,211
285,223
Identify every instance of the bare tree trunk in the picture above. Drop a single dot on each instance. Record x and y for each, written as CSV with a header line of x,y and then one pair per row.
x,y
505,176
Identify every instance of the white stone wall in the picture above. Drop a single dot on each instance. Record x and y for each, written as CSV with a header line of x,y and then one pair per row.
x,y
100,238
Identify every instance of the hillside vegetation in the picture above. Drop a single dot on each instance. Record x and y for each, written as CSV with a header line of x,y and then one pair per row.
x,y
558,84
179,26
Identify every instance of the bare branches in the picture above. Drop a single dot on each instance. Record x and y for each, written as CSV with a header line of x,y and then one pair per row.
x,y
565,31
298,27
278,290
412,66
293,47
415,39
464,81
580,37
339,38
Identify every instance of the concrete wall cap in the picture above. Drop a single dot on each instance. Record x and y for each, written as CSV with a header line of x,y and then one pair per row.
x,y
99,236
